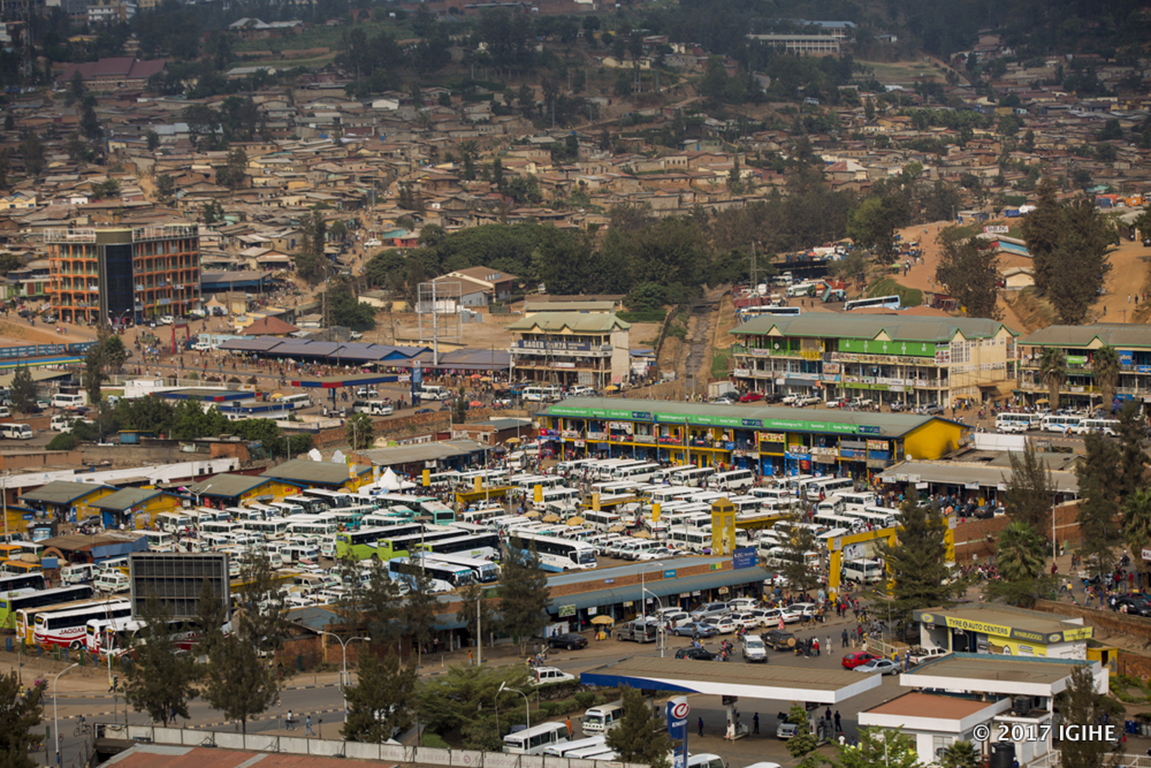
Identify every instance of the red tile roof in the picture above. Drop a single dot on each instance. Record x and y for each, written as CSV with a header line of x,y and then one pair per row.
x,y
929,705
165,756
116,66
269,326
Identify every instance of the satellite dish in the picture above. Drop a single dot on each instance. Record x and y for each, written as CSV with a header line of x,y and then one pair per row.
x,y
315,455
338,457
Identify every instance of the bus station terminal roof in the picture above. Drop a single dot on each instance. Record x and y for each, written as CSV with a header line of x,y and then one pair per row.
x,y
768,682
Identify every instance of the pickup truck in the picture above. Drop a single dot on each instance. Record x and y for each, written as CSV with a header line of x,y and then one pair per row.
x,y
920,654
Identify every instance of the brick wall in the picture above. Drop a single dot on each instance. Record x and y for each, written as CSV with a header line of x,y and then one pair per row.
x,y
971,535
36,459
1133,626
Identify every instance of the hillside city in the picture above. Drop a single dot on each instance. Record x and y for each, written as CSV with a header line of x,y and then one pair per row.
x,y
567,384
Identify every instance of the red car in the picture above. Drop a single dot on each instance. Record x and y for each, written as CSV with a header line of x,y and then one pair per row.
x,y
856,658
750,397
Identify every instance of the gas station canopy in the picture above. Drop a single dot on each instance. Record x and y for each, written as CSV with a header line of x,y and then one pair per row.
x,y
770,682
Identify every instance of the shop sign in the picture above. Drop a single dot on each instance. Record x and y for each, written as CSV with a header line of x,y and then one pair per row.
x,y
567,610
772,437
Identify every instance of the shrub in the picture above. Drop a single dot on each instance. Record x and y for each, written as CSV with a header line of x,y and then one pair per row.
x,y
585,699
433,739
62,442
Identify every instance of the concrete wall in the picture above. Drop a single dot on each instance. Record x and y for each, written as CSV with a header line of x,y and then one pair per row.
x,y
37,459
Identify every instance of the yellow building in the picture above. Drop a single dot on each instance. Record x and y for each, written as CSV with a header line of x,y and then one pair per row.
x,y
134,507
65,500
233,490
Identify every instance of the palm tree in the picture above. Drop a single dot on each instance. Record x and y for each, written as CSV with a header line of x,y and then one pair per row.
x,y
960,754
1020,553
1137,523
1105,364
1053,372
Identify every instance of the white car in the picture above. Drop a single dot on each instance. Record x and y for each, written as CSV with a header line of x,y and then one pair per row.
x,y
373,243
166,320
805,610
745,620
807,400
773,615
581,390
724,624
753,649
547,675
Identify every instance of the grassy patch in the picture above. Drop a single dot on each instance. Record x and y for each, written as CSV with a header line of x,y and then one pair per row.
x,y
908,297
719,361
903,72
643,316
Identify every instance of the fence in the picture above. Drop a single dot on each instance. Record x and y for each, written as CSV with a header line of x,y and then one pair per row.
x,y
300,745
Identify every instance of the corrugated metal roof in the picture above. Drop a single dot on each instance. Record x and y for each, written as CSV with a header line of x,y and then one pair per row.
x,y
227,485
163,756
578,322
1118,335
961,473
62,492
251,345
889,424
851,326
411,454
308,471
127,498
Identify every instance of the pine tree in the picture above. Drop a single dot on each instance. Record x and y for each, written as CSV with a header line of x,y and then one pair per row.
x,y
18,716
641,736
380,703
1132,457
1098,504
23,393
800,540
1082,705
524,595
1030,489
804,741
1137,527
418,612
917,563
158,677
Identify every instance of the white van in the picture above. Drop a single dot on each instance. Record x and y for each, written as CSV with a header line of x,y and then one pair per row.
x,y
864,571
433,392
68,401
534,740
111,581
599,720
16,431
77,573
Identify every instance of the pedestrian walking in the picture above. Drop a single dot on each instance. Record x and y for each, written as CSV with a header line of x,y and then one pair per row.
x,y
308,726
843,639
288,722
701,726
838,725
829,646
755,724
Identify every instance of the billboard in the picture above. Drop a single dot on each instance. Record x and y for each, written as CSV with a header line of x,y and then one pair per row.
x,y
176,579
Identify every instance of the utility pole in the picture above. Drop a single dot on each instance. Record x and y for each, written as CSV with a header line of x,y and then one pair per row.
x,y
752,271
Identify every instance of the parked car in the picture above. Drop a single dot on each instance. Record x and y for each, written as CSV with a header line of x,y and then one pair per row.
x,y
882,666
750,397
695,654
695,629
547,675
745,620
373,243
920,654
807,400
773,615
571,641
856,659
898,406
724,625
1136,604
932,409
709,611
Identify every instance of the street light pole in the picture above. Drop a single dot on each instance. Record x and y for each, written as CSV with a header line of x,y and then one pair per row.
x,y
344,675
527,701
55,714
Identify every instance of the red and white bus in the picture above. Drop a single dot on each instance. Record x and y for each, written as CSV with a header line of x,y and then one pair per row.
x,y
68,627
115,636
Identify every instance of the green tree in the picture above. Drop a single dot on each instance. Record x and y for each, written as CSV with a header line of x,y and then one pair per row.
x,y
165,187
381,702
94,375
714,83
879,747
1080,703
158,676
24,389
18,716
960,754
874,221
970,269
238,681
804,741
153,139
917,563
1105,366
1053,372
1098,503
1030,489
475,607
1020,559
1137,527
640,736
1132,457
799,541
418,613
869,109
1042,229
234,171
261,604
32,150
524,595
361,431
212,212
467,699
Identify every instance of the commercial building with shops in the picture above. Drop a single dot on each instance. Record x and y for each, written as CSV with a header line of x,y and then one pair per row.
x,y
565,348
1003,630
111,274
973,481
1077,344
769,440
911,360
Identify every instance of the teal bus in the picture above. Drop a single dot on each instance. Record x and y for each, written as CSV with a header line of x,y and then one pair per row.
x,y
403,546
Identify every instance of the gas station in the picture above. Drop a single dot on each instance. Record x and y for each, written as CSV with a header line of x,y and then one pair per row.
x,y
732,681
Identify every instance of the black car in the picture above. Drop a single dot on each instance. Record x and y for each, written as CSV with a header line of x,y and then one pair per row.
x,y
779,640
570,641
695,654
1135,604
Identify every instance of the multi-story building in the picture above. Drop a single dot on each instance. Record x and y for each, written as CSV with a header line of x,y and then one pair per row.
x,y
804,45
565,348
770,441
142,272
1078,343
914,361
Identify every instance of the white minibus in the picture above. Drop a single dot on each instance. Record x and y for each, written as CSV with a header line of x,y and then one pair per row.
x,y
298,402
828,486
733,480
695,476
1107,427
856,501
534,740
16,431
1064,424
1016,422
